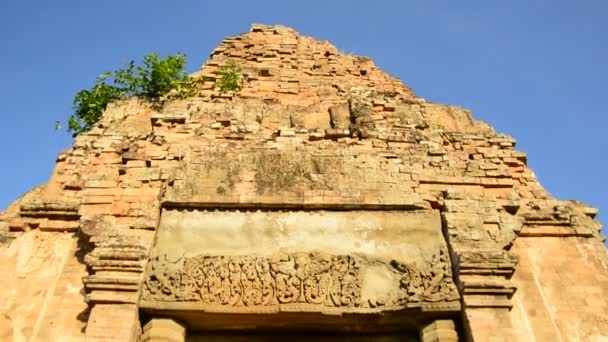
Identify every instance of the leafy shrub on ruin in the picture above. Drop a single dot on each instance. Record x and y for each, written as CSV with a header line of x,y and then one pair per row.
x,y
89,104
231,78
154,79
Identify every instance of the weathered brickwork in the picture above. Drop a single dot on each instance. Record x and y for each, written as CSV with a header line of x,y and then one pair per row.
x,y
42,282
311,129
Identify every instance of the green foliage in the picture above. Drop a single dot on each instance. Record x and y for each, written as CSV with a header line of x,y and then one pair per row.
x,y
154,79
89,104
231,76
185,88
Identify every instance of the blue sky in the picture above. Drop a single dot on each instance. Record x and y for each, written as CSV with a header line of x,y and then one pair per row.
x,y
537,70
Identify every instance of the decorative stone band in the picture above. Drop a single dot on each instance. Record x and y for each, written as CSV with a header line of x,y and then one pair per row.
x,y
116,266
323,280
559,219
485,278
47,215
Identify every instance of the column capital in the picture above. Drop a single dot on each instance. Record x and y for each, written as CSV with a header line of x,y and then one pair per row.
x,y
163,329
441,330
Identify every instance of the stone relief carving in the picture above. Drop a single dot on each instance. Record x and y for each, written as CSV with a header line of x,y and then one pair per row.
x,y
431,285
312,278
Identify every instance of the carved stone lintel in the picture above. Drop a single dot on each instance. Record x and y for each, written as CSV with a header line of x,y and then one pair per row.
x,y
325,280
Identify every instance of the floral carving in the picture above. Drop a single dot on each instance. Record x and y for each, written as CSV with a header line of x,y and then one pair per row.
x,y
431,285
248,281
312,278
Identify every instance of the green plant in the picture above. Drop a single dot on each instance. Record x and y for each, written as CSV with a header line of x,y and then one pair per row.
x,y
155,78
186,88
89,104
231,76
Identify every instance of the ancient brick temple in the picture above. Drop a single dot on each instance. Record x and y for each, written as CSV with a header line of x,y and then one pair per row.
x,y
322,201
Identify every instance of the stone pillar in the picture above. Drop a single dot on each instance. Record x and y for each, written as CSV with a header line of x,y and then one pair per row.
x,y
441,330
163,330
113,322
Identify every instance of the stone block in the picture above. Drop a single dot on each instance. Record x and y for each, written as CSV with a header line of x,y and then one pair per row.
x,y
59,225
340,116
316,120
439,331
165,330
101,184
113,322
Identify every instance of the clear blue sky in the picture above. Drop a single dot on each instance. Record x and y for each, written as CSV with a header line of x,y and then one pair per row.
x,y
537,70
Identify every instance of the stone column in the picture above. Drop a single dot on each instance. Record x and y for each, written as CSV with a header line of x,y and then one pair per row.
x,y
441,330
113,322
163,330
